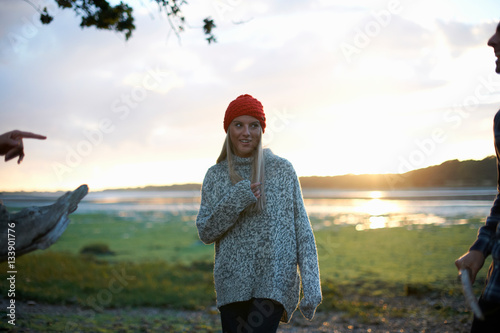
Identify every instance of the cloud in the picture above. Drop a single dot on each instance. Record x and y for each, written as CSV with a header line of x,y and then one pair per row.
x,y
155,99
462,36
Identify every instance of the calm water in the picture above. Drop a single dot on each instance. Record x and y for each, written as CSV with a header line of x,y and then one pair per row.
x,y
327,208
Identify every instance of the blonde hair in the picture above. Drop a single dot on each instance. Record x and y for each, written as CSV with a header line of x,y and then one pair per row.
x,y
258,169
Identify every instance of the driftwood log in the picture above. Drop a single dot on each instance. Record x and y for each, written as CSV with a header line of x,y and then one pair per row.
x,y
36,228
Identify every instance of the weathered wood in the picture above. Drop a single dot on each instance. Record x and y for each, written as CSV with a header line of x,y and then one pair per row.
x,y
38,227
470,298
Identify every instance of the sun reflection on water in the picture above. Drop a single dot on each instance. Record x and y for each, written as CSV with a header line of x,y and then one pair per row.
x,y
377,207
377,211
377,222
374,212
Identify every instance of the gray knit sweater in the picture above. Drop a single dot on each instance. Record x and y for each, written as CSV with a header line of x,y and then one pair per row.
x,y
260,254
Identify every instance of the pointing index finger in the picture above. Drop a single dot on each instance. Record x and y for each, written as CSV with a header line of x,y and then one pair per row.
x,y
28,135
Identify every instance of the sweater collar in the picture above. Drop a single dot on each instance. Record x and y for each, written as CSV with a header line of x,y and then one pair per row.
x,y
242,160
249,160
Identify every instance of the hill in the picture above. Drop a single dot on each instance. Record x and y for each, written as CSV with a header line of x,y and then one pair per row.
x,y
174,187
453,173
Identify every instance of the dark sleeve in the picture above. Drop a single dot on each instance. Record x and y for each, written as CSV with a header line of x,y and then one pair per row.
x,y
487,232
486,236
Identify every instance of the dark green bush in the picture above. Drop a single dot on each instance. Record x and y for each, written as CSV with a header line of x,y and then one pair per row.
x,y
97,249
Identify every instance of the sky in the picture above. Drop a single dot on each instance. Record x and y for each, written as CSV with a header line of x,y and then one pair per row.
x,y
368,87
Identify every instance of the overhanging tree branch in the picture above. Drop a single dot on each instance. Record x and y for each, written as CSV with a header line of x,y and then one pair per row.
x,y
101,15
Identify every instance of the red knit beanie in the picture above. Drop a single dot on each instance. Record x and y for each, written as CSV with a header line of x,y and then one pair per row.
x,y
245,105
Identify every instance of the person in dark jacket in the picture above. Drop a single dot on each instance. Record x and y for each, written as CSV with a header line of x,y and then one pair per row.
x,y
488,239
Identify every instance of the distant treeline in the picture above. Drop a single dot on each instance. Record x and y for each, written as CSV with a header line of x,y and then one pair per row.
x,y
175,187
454,173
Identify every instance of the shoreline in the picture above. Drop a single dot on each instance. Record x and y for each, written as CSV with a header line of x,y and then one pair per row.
x,y
308,192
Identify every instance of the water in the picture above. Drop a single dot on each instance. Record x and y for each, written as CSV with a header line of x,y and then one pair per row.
x,y
326,208
115,201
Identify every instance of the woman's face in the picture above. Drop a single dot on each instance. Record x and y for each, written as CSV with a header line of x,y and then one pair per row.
x,y
245,134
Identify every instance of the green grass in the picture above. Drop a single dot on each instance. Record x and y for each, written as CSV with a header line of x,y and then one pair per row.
x,y
160,262
421,255
61,278
126,322
141,238
418,255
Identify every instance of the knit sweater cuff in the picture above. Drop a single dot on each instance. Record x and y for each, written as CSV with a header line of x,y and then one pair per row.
x,y
308,306
213,223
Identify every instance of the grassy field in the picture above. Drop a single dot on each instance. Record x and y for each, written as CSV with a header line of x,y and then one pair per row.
x,y
144,237
163,264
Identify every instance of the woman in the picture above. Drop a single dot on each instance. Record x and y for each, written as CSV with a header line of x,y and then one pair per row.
x,y
252,208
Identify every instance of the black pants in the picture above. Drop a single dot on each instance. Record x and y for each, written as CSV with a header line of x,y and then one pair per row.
x,y
491,322
258,315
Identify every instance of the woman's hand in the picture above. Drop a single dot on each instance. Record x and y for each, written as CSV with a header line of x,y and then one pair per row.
x,y
255,187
